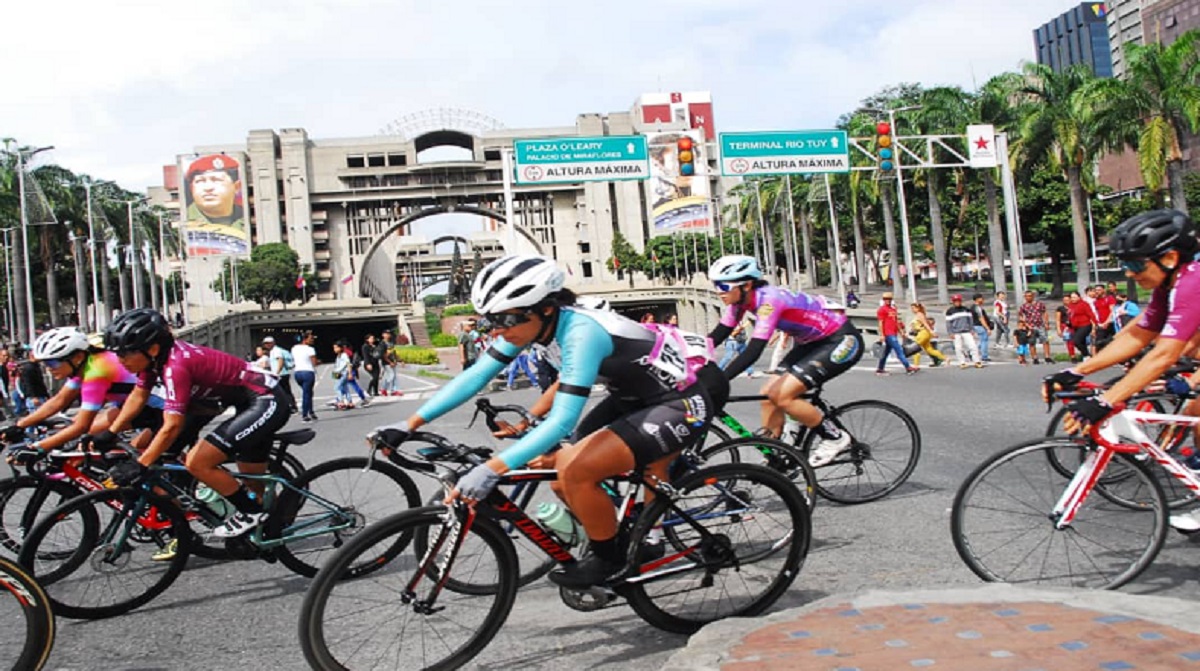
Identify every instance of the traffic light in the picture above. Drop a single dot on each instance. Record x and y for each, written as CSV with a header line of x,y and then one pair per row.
x,y
687,156
883,145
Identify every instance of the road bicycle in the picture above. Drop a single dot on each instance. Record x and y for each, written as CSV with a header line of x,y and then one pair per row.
x,y
41,481
104,553
884,450
26,620
733,538
1018,518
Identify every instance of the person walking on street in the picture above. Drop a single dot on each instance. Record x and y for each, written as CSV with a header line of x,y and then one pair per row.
x,y
468,344
1000,319
388,365
280,362
1033,312
922,330
523,364
889,335
960,325
982,326
1082,318
372,357
305,360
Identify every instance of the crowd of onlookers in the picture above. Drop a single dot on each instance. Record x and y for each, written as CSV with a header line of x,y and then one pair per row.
x,y
22,381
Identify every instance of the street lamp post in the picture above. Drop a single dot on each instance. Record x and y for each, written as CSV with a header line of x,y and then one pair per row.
x,y
908,255
162,255
8,281
135,260
30,320
99,302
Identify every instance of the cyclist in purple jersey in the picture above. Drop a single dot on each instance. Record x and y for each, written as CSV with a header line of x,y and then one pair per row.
x,y
826,345
198,381
93,377
1156,250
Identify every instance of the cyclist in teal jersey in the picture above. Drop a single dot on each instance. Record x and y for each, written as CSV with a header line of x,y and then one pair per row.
x,y
659,398
826,345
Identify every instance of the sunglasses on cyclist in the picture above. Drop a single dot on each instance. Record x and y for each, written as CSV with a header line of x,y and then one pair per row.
x,y
1134,266
725,287
507,320
52,363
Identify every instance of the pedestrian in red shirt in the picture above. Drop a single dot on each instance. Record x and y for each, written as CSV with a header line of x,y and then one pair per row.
x,y
889,335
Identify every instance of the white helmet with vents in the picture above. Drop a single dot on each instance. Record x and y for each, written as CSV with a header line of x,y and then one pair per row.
x,y
734,268
593,302
519,281
59,343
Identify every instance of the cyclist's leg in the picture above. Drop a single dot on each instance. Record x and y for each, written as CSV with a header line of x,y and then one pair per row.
x,y
604,413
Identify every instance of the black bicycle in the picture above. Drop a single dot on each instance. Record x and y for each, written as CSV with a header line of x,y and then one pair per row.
x,y
26,620
717,542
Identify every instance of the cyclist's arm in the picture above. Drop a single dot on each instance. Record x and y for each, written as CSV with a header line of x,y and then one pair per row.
x,y
78,427
132,406
63,399
720,333
462,388
1123,347
747,358
171,428
1165,353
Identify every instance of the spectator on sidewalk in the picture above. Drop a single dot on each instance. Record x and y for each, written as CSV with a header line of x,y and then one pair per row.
x,y
1062,321
1082,318
889,335
468,344
1125,310
960,324
280,362
523,364
1033,312
388,365
305,358
1021,335
982,325
1000,320
923,332
372,357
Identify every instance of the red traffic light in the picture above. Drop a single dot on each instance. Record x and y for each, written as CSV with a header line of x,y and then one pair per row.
x,y
883,128
684,143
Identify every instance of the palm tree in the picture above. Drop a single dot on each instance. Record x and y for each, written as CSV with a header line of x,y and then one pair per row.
x,y
1151,109
1054,125
944,110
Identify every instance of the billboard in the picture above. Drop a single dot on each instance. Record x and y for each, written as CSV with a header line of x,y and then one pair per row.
x,y
214,205
678,190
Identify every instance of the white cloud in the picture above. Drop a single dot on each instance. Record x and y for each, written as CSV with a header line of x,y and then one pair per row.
x,y
121,87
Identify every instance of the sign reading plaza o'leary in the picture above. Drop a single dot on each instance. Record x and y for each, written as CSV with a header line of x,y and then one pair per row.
x,y
581,159
784,152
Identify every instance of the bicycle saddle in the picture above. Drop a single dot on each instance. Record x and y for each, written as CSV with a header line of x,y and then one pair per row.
x,y
297,437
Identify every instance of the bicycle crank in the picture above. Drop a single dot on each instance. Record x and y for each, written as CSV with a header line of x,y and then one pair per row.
x,y
587,600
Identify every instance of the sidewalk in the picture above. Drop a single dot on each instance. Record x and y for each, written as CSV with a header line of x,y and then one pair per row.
x,y
977,628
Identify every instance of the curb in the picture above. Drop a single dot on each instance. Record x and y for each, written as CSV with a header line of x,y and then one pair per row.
x,y
709,648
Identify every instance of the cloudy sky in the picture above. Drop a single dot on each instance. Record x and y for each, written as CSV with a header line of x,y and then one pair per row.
x,y
121,87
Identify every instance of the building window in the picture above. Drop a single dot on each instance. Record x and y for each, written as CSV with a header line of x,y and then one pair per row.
x,y
375,160
356,161
491,154
585,248
396,160
586,267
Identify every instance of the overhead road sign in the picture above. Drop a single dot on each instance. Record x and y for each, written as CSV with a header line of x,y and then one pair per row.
x,y
784,153
581,159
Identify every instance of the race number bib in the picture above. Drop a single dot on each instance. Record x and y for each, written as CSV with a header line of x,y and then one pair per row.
x,y
678,355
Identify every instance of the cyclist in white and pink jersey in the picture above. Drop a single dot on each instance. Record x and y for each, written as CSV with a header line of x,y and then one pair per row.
x,y
1156,250
826,345
199,382
95,378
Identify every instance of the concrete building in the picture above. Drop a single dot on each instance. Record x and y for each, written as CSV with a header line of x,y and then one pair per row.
x,y
1079,35
1124,28
1165,20
347,205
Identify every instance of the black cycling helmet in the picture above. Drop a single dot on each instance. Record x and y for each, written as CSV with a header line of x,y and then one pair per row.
x,y
1151,234
138,329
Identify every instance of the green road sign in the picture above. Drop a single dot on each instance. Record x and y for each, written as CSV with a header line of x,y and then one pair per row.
x,y
784,152
581,159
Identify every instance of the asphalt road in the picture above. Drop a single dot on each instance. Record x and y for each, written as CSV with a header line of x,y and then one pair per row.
x,y
239,614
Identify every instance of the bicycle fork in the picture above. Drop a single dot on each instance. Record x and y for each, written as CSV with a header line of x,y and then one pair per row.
x,y
1081,485
454,532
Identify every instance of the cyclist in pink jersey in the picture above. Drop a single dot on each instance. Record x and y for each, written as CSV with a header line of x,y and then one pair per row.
x,y
198,381
826,345
94,377
1156,250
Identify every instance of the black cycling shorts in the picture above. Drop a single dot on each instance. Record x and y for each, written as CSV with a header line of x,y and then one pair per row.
x,y
815,363
654,431
246,437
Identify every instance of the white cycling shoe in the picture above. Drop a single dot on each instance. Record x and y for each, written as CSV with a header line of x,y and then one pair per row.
x,y
239,524
1187,523
827,450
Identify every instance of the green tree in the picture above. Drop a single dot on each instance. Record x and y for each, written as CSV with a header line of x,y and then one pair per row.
x,y
269,276
625,259
1151,108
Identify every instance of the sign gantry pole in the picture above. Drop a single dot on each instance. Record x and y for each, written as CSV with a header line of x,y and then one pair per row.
x,y
506,158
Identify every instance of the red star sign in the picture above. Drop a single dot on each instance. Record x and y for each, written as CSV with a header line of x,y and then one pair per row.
x,y
981,143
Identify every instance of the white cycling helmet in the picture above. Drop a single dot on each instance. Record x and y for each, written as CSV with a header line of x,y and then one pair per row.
x,y
593,302
59,343
520,281
733,268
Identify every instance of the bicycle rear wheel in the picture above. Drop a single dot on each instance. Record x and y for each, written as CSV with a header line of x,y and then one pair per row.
x,y
758,535
23,500
26,620
361,496
379,622
1003,530
884,449
773,454
114,535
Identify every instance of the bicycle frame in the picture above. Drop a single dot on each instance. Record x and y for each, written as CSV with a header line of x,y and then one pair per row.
x,y
1125,425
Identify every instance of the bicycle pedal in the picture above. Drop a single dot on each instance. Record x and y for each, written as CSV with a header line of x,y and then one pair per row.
x,y
587,600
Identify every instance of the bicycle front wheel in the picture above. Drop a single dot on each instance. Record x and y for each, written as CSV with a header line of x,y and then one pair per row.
x,y
735,540
23,500
385,620
773,454
1004,527
334,494
26,620
884,449
115,535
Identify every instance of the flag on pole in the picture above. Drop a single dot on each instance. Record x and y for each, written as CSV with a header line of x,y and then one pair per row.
x,y
569,271
300,283
616,263
653,256
348,279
